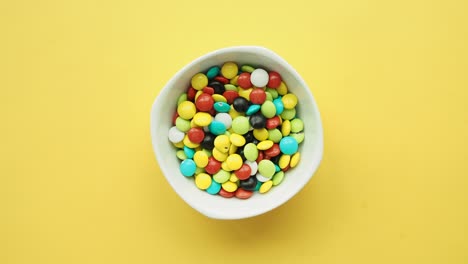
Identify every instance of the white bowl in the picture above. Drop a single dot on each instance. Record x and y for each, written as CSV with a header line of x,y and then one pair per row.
x,y
215,206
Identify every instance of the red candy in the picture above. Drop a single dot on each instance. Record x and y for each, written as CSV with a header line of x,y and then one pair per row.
x,y
213,166
191,92
273,122
208,90
204,102
274,80
226,194
244,172
221,79
257,96
260,156
244,80
196,135
174,117
243,194
273,151
286,168
230,96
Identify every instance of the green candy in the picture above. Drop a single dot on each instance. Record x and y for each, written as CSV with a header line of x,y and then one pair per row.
x,y
299,137
247,68
273,92
231,87
297,125
182,124
182,98
268,109
251,152
269,97
221,176
266,168
199,170
181,154
208,152
288,114
275,135
278,178
240,125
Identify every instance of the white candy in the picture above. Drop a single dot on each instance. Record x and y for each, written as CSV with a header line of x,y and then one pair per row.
x,y
253,166
175,135
262,178
224,118
259,78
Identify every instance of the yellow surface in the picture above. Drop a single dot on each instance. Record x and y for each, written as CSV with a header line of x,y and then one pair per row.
x,y
79,181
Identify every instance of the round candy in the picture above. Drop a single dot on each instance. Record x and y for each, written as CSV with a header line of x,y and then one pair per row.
x,y
229,70
226,194
201,159
233,81
186,110
204,102
182,124
273,151
234,161
262,178
217,128
218,155
282,89
257,96
208,90
266,168
273,92
214,188
253,166
299,137
225,167
253,109
212,72
213,166
221,176
243,172
240,125
231,87
286,128
189,143
221,107
274,79
247,68
233,178
259,78
260,134
245,93
237,140
196,135
273,122
219,98
264,145
268,109
284,161
266,186
297,125
240,104
248,184
191,93
182,98
189,152
203,181
257,120
251,152
274,135
295,160
221,79
289,101
181,155
229,186
224,118
175,135
188,167
278,106
288,145
217,86
243,194
208,141
288,114
230,96
244,80
199,81
222,143
278,178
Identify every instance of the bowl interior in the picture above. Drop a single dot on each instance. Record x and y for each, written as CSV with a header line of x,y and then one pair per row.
x,y
215,206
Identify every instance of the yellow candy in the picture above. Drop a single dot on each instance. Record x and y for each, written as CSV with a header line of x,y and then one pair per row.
x,y
245,93
233,113
237,140
233,178
202,119
234,161
186,110
286,128
264,145
203,181
198,94
199,81
229,70
295,159
289,101
201,159
179,145
219,98
234,80
229,186
192,123
284,161
265,187
282,89
260,134
218,155
225,167
222,143
189,143
232,149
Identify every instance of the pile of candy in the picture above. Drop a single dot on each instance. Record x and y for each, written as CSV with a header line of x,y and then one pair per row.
x,y
236,130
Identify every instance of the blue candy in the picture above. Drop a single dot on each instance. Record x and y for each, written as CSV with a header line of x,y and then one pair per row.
x,y
288,145
257,187
212,72
189,152
188,167
278,105
214,188
277,168
217,127
253,109
221,107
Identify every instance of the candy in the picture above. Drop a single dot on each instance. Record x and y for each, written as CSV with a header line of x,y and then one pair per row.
x,y
217,127
199,81
289,101
278,178
240,125
212,72
253,109
237,140
286,128
214,188
274,135
243,172
243,194
248,184
204,102
196,135
234,161
260,134
222,107
251,152
274,79
258,120
268,109
266,186
253,166
186,110
217,86
229,70
244,80
213,166
187,167
284,161
175,135
221,176
182,124
222,143
259,78
229,186
189,152
288,145
266,168
295,160
240,104
203,181
297,125
265,144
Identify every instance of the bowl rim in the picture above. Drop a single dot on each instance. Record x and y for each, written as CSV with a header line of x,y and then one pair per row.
x,y
163,94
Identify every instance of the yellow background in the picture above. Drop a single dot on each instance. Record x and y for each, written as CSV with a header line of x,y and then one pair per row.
x,y
79,181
